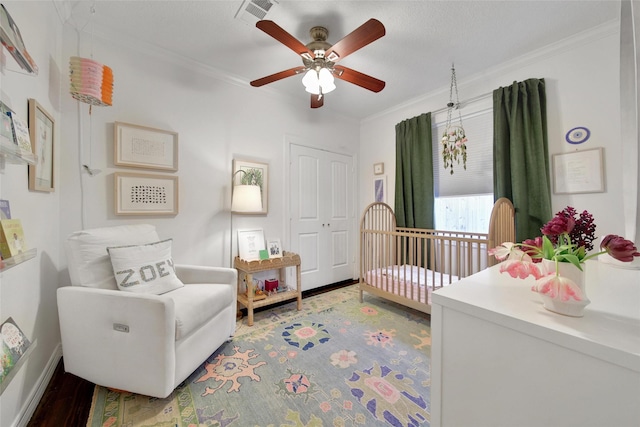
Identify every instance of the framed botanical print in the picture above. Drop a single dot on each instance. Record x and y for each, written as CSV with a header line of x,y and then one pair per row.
x,y
42,133
253,173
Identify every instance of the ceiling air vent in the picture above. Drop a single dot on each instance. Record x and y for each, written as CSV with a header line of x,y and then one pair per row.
x,y
253,11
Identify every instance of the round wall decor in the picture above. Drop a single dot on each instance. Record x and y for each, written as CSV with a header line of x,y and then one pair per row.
x,y
578,135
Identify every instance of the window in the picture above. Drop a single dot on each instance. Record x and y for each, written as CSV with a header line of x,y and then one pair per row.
x,y
463,201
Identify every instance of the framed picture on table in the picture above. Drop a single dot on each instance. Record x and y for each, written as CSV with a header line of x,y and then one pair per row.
x,y
250,243
274,248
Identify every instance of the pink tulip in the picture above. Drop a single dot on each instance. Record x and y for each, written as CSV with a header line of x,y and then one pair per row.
x,y
558,287
518,268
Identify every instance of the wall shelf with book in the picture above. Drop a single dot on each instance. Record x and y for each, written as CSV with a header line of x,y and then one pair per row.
x,y
8,263
11,153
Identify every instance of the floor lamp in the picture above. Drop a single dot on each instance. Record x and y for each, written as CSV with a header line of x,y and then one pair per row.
x,y
245,199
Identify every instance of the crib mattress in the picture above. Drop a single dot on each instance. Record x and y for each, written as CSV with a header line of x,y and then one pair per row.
x,y
409,281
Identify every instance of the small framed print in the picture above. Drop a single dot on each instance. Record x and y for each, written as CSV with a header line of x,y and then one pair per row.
x,y
144,147
250,243
380,189
378,168
145,194
274,248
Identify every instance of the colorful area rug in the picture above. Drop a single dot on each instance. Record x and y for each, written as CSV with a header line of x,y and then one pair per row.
x,y
338,362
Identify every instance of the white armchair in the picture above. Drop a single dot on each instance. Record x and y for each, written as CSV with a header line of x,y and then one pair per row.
x,y
139,342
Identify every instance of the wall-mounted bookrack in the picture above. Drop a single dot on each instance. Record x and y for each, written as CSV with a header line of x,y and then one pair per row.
x,y
11,153
18,259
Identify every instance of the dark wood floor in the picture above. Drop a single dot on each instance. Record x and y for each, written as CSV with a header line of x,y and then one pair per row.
x,y
67,400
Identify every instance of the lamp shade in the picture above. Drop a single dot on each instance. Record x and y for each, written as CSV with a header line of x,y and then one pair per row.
x,y
91,82
247,199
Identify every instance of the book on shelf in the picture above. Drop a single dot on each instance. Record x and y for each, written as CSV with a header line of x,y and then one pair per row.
x,y
5,122
14,347
5,209
21,135
12,39
12,240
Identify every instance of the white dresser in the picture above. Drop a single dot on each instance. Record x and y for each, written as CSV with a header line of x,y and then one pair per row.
x,y
500,359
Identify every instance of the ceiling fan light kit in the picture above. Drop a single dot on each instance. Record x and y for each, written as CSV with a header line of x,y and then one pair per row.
x,y
319,59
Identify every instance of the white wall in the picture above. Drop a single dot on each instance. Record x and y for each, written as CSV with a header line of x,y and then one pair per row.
x,y
216,119
583,89
27,291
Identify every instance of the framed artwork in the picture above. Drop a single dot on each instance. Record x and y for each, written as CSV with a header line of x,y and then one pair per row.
x,y
42,133
145,147
378,168
250,243
380,189
578,172
274,248
145,194
254,173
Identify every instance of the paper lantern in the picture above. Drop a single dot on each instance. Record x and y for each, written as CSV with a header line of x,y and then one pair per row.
x,y
91,82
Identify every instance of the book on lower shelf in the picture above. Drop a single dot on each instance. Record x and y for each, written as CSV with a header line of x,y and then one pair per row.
x,y
15,346
12,240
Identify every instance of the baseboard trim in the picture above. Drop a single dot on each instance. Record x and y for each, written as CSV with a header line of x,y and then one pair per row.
x,y
34,398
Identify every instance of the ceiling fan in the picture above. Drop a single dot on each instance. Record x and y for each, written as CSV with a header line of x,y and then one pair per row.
x,y
320,57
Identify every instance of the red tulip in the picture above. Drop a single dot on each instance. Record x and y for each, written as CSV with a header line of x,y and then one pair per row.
x,y
619,248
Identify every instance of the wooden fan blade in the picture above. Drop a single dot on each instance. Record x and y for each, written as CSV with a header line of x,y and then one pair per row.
x,y
278,33
277,76
368,32
358,78
317,101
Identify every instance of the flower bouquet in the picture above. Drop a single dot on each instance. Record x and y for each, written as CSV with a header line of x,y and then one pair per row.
x,y
566,241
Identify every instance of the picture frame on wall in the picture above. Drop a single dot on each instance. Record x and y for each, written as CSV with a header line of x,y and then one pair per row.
x,y
380,189
579,172
42,133
145,194
254,173
250,243
274,248
378,168
145,147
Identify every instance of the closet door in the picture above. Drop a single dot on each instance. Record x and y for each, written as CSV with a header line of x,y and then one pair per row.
x,y
322,215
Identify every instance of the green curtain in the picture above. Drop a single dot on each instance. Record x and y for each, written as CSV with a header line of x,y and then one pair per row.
x,y
521,154
414,173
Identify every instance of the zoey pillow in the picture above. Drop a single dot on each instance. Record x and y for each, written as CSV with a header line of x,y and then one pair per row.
x,y
144,268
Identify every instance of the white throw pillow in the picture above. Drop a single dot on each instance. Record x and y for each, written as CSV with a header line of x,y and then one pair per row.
x,y
144,268
87,256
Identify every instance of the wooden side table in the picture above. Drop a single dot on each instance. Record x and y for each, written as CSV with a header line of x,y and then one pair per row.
x,y
246,269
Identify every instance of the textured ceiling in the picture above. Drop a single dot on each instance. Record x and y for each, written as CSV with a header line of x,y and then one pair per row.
x,y
423,39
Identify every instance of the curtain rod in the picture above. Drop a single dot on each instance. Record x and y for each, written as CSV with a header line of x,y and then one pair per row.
x,y
463,103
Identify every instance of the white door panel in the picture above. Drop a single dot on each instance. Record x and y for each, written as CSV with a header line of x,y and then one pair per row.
x,y
321,214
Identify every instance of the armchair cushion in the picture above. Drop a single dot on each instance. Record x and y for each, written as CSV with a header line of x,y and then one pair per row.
x,y
144,268
195,304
